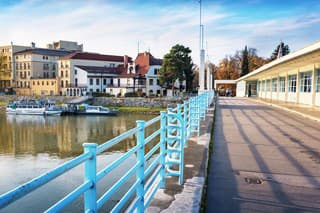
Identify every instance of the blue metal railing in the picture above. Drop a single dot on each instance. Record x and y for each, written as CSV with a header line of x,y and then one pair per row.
x,y
176,126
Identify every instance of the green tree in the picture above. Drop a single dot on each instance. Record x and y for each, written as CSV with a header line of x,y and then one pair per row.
x,y
177,64
285,51
244,62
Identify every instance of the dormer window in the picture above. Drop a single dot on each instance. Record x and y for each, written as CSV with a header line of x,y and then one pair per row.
x,y
130,70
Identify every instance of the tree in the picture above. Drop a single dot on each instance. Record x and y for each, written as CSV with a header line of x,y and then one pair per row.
x,y
255,61
244,62
228,69
177,65
285,51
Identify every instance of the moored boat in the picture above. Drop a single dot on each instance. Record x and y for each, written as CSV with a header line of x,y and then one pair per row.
x,y
31,108
95,110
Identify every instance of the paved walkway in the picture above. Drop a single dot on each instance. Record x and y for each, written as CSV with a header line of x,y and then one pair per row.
x,y
264,160
310,112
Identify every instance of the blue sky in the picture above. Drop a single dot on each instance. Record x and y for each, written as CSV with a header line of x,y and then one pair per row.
x,y
115,27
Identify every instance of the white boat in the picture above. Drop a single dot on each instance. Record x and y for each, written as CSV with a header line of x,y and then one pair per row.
x,y
96,110
30,108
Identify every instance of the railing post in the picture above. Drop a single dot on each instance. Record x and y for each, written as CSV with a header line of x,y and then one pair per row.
x,y
90,171
163,126
140,170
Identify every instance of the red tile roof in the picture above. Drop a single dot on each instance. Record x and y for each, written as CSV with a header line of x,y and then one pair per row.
x,y
144,61
95,56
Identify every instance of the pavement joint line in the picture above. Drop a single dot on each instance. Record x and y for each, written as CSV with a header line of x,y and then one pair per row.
x,y
286,109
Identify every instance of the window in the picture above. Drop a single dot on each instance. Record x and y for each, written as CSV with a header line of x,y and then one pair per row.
x,y
24,66
150,82
61,73
268,85
76,82
119,82
75,71
318,80
104,81
292,83
17,66
91,81
53,66
29,66
61,84
111,81
282,84
33,83
53,74
305,81
66,83
47,82
274,85
263,86
156,71
158,82
67,73
97,81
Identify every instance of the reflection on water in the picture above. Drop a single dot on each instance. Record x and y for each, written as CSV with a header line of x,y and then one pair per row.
x,y
61,136
32,145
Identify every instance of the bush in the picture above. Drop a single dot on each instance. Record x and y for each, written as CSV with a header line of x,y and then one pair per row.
x,y
99,94
131,94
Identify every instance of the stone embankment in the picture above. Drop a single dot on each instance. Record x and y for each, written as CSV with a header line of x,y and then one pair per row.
x,y
163,102
138,102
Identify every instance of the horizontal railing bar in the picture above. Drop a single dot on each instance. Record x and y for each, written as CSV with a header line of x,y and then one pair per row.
x,y
110,192
152,166
116,163
70,197
116,140
153,192
125,198
152,121
152,136
152,179
35,183
150,153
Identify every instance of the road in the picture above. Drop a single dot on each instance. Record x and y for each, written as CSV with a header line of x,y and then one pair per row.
x,y
264,160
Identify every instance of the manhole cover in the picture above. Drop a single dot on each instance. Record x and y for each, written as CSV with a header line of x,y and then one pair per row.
x,y
253,180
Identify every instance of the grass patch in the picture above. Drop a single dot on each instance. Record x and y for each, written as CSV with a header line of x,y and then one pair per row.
x,y
145,110
205,186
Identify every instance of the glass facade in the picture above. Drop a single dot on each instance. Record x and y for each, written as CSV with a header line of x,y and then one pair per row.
x,y
318,80
282,84
292,83
274,85
305,81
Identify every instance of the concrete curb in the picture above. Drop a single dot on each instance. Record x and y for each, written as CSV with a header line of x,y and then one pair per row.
x,y
287,109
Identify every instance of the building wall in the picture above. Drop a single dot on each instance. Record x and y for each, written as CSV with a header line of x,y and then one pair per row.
x,y
307,85
46,87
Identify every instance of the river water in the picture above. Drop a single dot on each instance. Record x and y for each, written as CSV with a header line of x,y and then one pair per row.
x,y
32,145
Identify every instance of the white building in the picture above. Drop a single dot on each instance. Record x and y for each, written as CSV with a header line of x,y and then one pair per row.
x,y
292,78
73,83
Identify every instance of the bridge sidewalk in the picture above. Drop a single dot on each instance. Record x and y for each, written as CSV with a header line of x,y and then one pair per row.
x,y
187,198
311,112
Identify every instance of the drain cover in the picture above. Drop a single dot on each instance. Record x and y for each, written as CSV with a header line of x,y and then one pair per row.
x,y
253,180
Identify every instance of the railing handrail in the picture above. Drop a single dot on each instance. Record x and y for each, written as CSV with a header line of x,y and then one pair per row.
x,y
159,167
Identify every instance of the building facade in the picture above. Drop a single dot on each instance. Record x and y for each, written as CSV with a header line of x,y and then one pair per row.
x,y
73,83
35,64
66,45
7,68
292,78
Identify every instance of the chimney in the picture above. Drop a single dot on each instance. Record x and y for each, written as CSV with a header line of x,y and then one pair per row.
x,y
33,45
125,61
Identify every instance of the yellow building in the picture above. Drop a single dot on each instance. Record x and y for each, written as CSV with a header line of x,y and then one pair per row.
x,y
36,63
44,86
292,78
7,69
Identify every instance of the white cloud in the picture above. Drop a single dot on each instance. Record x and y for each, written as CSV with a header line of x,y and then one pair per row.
x,y
112,28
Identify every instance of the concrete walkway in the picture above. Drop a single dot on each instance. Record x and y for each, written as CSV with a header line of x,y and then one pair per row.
x,y
264,160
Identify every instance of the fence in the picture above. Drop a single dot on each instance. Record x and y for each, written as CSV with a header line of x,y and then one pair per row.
x,y
176,126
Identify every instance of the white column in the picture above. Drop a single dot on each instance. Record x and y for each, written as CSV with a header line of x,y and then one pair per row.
x,y
208,76
201,73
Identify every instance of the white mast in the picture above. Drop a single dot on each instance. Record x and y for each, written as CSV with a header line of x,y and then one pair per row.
x,y
202,55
